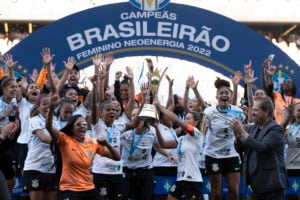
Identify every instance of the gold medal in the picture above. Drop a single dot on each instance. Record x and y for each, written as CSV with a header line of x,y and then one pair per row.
x,y
130,158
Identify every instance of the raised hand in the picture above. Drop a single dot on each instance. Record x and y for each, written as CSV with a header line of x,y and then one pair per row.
x,y
118,75
144,88
150,64
109,93
97,60
47,57
109,59
247,68
271,70
34,75
237,77
94,79
129,73
10,63
169,80
191,82
266,63
249,77
70,63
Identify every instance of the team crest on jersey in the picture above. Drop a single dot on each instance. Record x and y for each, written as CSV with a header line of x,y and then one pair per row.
x,y
35,183
173,188
215,167
149,5
90,153
103,191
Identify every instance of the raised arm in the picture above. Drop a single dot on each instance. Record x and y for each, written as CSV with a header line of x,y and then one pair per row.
x,y
131,93
95,113
193,84
170,103
235,81
108,60
249,80
270,72
162,143
68,67
54,133
101,74
47,59
172,116
186,95
10,64
144,91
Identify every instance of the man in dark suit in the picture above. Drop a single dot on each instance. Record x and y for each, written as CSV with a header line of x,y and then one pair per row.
x,y
263,147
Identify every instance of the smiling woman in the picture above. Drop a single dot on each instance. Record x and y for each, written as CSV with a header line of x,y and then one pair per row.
x,y
77,149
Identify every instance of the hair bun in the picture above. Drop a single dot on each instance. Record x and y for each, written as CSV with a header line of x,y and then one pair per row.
x,y
221,83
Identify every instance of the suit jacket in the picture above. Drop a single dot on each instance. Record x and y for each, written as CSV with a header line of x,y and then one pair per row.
x,y
264,165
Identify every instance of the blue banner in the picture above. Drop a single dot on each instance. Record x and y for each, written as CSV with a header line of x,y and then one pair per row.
x,y
164,184
157,28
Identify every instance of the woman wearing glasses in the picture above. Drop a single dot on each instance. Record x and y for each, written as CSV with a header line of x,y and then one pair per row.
x,y
77,153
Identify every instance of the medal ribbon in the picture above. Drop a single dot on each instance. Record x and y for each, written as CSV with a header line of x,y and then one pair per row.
x,y
110,132
134,145
179,147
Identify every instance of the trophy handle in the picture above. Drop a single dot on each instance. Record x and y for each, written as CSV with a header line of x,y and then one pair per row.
x,y
161,76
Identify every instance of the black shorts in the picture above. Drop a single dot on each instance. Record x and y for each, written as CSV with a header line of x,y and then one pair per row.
x,y
216,166
138,183
186,190
109,186
22,150
37,181
79,195
165,171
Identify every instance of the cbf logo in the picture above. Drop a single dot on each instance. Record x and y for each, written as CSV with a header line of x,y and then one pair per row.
x,y
149,5
281,76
